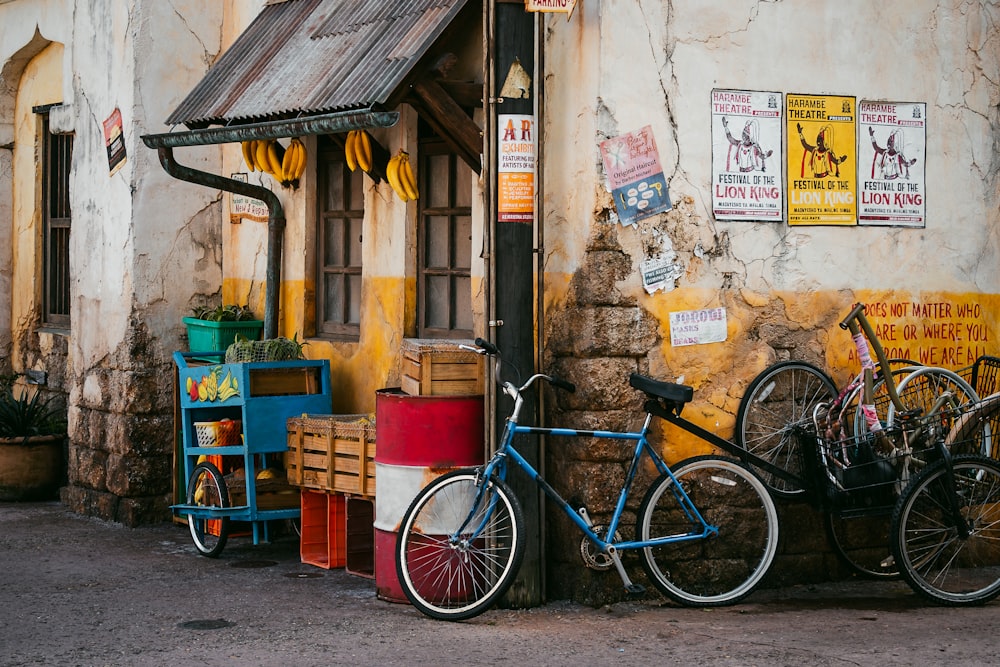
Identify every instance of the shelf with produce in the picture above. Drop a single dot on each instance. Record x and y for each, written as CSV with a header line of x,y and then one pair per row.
x,y
240,410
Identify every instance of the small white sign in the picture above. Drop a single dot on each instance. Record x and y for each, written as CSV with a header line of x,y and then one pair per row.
x,y
696,327
660,273
242,207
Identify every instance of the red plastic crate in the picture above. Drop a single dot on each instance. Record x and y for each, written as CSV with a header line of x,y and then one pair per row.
x,y
324,526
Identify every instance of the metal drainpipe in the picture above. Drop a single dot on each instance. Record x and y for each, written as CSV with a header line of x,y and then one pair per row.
x,y
275,225
325,124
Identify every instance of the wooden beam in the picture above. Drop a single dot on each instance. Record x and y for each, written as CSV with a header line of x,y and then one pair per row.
x,y
450,120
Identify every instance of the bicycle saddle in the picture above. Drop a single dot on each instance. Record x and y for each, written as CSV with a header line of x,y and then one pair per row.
x,y
669,391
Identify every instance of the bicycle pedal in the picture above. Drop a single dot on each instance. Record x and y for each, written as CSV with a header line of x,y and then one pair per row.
x,y
635,590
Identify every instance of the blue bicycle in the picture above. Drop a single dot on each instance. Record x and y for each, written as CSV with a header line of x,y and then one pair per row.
x,y
707,529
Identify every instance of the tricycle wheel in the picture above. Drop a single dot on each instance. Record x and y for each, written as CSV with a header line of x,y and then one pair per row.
x,y
207,488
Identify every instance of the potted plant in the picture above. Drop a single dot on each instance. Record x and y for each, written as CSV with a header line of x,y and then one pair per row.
x,y
213,329
32,438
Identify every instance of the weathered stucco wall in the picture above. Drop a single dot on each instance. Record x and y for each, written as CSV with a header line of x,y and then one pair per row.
x,y
142,244
619,66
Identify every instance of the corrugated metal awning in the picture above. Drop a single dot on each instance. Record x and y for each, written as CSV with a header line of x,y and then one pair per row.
x,y
316,57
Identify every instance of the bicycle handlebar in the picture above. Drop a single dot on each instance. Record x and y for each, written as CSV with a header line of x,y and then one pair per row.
x,y
487,348
853,315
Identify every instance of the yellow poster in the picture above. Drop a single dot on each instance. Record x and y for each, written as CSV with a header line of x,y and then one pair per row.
x,y
822,160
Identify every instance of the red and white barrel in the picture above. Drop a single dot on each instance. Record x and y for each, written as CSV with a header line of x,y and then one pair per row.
x,y
417,438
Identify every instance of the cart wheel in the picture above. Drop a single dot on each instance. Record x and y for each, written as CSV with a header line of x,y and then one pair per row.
x,y
207,488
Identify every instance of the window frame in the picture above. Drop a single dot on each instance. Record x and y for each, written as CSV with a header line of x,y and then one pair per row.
x,y
330,155
57,217
431,147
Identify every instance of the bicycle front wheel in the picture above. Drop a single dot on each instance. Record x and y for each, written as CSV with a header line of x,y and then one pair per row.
x,y
946,537
772,412
725,566
207,488
460,545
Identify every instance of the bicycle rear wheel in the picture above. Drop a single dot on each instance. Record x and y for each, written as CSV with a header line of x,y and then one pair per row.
x,y
772,412
207,488
937,561
921,388
722,568
460,545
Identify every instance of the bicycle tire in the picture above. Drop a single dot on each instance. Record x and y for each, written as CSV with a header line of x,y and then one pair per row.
x,y
862,543
934,559
452,577
207,488
975,431
780,398
920,389
721,569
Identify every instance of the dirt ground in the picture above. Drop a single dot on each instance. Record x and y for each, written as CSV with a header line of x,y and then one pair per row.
x,y
76,591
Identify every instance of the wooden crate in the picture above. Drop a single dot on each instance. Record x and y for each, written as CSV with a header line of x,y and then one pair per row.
x,y
285,381
272,494
332,453
439,368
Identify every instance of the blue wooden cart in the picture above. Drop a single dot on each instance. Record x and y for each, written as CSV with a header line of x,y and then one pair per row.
x,y
239,410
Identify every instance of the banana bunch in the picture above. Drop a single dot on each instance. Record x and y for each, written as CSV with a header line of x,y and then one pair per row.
x,y
358,150
269,156
400,175
228,387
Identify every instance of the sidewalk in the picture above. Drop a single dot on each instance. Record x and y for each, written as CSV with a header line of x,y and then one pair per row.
x,y
76,591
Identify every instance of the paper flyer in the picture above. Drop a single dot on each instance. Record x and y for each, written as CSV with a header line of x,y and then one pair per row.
x,y
746,156
821,162
516,168
637,183
892,145
695,327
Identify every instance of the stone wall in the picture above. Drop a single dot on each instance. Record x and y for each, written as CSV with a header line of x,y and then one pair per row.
x,y
121,449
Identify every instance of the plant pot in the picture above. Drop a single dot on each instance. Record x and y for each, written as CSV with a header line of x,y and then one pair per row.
x,y
209,336
31,469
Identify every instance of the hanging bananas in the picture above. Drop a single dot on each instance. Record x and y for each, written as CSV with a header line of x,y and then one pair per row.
x,y
358,150
293,164
392,175
248,154
349,150
270,157
260,157
407,177
400,175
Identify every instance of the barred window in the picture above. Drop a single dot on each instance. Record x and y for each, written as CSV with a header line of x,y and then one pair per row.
x,y
57,156
339,236
444,294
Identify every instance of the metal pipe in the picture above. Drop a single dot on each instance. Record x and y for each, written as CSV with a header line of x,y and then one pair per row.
x,y
334,123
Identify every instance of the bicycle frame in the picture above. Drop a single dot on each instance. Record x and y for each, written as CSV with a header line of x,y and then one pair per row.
x,y
497,467
579,515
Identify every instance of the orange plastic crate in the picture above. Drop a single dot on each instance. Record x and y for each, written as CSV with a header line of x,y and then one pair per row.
x,y
323,525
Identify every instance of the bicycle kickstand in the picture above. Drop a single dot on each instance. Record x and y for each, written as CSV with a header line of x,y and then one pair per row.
x,y
631,588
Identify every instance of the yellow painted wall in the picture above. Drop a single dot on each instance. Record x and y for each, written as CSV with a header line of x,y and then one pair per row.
x,y
41,84
359,368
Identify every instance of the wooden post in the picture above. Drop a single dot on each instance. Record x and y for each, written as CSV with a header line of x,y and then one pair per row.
x,y
513,49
